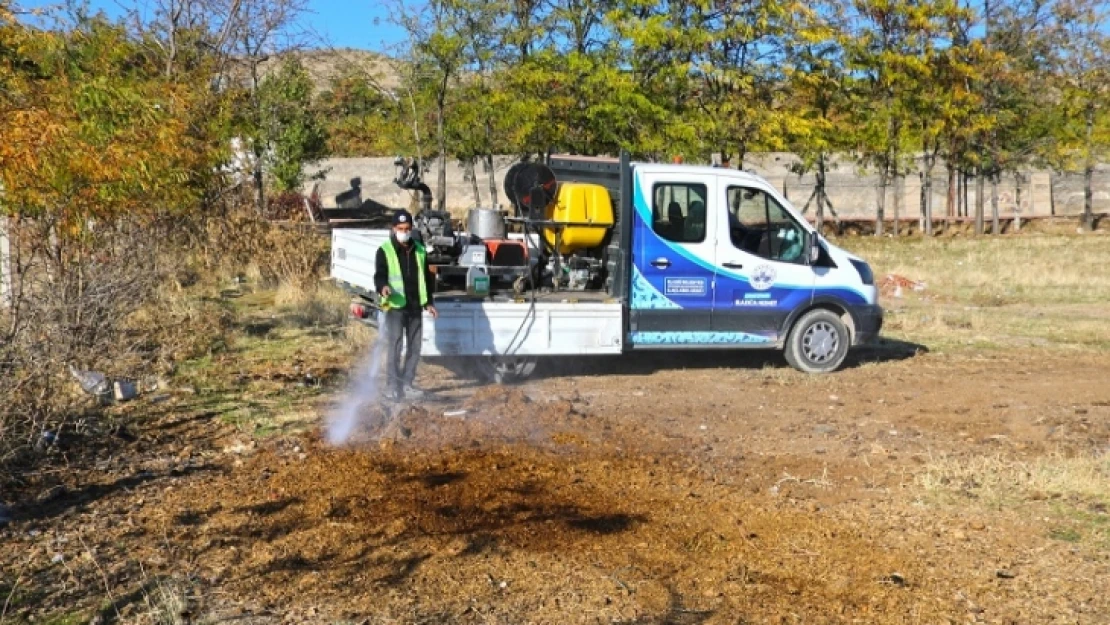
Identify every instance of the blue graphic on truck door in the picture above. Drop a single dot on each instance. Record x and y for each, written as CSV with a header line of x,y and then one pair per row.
x,y
763,277
673,271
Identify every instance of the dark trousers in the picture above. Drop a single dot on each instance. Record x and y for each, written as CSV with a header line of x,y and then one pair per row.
x,y
401,327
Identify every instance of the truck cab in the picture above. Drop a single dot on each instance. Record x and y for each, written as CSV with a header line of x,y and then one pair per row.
x,y
720,259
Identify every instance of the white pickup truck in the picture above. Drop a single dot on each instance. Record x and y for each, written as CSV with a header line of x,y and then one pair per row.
x,y
695,258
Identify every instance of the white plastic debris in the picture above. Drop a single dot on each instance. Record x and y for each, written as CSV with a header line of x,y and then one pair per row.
x,y
124,390
92,382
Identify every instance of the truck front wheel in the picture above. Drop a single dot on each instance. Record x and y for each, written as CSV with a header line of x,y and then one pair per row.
x,y
818,342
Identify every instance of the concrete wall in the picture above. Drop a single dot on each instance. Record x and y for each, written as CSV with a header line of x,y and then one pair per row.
x,y
853,192
377,176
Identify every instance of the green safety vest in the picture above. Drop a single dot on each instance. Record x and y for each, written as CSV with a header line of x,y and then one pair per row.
x,y
397,280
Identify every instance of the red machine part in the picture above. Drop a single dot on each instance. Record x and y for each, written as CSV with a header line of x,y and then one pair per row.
x,y
506,252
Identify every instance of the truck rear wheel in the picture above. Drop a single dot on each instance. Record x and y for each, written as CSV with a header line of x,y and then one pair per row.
x,y
506,369
818,342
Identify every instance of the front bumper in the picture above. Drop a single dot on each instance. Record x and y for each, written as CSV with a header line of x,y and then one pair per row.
x,y
868,320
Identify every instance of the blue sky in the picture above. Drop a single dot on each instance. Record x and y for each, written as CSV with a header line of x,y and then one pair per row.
x,y
362,24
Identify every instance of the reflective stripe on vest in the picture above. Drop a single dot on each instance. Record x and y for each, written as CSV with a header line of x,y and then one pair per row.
x,y
397,279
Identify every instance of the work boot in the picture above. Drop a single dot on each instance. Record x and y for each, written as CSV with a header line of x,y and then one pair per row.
x,y
410,391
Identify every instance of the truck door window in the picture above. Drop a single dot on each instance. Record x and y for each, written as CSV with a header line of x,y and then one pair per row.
x,y
758,224
678,211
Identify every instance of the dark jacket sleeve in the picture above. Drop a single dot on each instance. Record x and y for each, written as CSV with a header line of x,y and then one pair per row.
x,y
430,281
381,271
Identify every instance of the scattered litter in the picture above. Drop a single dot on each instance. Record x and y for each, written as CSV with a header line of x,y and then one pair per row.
x,y
455,413
98,385
239,447
893,284
92,382
125,390
58,558
895,579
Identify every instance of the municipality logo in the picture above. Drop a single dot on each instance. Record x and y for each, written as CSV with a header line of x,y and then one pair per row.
x,y
763,277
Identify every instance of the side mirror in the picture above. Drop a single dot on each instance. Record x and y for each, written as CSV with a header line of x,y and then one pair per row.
x,y
813,247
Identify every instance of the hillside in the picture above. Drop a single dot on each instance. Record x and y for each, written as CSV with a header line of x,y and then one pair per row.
x,y
326,65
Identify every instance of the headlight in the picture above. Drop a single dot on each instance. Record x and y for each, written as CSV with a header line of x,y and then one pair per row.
x,y
864,271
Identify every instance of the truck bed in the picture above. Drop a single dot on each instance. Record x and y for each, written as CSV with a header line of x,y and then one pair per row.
x,y
561,323
545,328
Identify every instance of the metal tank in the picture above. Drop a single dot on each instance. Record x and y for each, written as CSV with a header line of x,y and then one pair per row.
x,y
485,223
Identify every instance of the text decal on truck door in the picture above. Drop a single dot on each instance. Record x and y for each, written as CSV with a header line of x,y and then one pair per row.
x,y
695,287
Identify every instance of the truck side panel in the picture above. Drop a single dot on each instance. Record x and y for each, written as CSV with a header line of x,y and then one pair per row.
x,y
353,254
524,329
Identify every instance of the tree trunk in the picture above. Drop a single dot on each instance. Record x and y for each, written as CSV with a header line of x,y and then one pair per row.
x,y
980,188
492,181
1018,179
441,178
5,264
820,192
880,212
927,201
996,227
490,170
950,207
473,171
961,193
899,191
1088,173
259,186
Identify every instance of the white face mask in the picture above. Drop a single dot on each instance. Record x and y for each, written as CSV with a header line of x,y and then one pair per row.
x,y
402,237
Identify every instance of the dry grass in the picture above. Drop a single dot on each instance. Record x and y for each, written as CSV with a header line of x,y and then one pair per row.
x,y
166,602
1073,489
312,305
997,270
996,479
1031,291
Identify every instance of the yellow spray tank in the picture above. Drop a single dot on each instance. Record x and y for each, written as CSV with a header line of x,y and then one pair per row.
x,y
586,206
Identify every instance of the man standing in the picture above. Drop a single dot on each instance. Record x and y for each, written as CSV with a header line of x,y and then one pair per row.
x,y
405,284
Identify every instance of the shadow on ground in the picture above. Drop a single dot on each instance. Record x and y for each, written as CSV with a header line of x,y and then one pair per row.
x,y
648,363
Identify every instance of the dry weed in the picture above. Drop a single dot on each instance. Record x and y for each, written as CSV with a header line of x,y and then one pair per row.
x,y
997,480
995,271
312,305
166,604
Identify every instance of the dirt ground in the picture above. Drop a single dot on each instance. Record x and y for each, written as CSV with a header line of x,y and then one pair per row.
x,y
664,489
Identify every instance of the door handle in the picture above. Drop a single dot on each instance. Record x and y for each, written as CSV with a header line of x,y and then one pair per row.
x,y
734,265
661,263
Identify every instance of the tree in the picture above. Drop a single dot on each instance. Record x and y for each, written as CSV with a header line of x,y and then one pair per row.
x,y
256,31
437,54
289,128
1082,69
363,118
887,46
948,110
720,66
818,99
